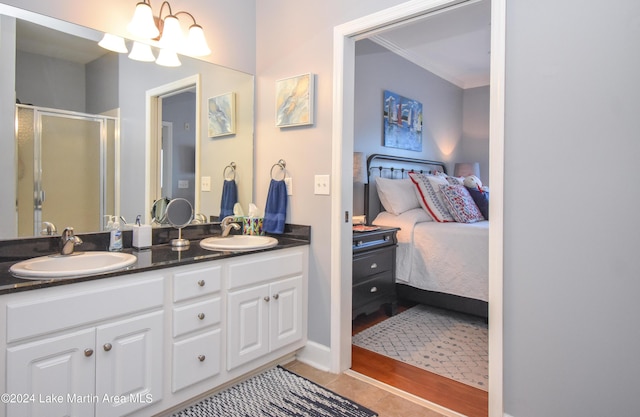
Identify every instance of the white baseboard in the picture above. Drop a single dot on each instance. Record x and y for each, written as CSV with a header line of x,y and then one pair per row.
x,y
316,355
507,415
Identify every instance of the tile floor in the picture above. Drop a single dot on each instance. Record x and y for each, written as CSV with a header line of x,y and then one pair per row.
x,y
383,402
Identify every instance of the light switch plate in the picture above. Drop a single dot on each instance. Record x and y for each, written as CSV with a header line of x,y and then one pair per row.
x,y
205,183
183,183
322,185
288,181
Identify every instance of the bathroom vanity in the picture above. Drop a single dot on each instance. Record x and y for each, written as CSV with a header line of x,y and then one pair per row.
x,y
144,341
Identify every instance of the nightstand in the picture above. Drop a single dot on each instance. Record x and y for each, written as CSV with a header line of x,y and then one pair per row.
x,y
374,271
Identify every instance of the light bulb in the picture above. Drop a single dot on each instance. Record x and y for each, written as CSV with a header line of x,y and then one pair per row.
x,y
113,43
141,52
168,58
196,42
142,24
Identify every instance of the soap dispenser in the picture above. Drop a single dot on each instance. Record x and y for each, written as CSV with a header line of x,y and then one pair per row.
x,y
115,239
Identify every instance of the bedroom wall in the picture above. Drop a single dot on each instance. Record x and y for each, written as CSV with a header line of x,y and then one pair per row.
x,y
475,129
377,69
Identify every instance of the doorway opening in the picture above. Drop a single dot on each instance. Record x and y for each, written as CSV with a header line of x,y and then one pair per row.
x,y
173,143
345,37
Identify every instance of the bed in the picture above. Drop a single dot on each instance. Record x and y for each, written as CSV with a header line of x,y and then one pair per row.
x,y
440,261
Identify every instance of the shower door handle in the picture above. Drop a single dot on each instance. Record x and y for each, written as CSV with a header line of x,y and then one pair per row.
x,y
40,197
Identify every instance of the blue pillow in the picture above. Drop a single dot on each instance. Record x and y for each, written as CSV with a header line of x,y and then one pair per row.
x,y
481,199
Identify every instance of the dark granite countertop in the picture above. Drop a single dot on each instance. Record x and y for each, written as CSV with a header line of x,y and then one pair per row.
x,y
161,255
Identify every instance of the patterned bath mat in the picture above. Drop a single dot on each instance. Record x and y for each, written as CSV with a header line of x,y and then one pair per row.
x,y
276,393
450,344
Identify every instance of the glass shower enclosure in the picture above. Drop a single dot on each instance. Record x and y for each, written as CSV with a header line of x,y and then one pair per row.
x,y
67,169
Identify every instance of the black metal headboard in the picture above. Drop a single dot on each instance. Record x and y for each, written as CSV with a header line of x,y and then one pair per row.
x,y
392,166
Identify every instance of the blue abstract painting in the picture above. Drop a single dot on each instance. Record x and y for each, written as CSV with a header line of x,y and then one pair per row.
x,y
222,115
402,122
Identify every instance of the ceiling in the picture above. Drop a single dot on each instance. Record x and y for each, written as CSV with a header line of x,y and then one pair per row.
x,y
453,44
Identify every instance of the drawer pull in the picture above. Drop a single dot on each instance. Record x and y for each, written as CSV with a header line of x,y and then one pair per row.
x,y
201,358
374,265
359,243
276,296
386,238
266,298
107,347
201,283
374,289
88,352
201,316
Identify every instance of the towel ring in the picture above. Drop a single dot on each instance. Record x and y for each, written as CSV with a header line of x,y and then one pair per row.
x,y
232,167
282,164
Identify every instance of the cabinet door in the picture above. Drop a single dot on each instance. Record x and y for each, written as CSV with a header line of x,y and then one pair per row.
x,y
248,320
285,312
129,364
59,372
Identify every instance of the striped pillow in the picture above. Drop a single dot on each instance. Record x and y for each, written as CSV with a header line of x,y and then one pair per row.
x,y
430,196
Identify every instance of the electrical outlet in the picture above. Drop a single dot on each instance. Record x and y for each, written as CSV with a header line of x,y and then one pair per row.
x,y
289,183
205,183
322,185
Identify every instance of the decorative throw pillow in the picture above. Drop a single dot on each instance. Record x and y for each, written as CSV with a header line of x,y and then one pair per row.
x,y
481,198
397,196
427,189
461,204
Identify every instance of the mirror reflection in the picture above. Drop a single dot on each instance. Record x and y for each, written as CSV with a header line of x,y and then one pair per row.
x,y
100,134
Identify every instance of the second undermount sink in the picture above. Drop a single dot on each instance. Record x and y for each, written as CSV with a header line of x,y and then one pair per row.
x,y
72,266
238,242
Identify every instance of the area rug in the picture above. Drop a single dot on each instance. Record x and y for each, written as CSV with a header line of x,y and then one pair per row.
x,y
450,344
276,392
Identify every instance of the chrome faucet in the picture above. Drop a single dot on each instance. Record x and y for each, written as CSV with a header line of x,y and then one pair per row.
x,y
226,224
68,241
48,229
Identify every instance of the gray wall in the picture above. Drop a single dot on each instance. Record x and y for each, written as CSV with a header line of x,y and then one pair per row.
x,y
50,82
475,129
572,270
8,181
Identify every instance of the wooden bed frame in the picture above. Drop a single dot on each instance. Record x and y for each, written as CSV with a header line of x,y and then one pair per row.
x,y
397,167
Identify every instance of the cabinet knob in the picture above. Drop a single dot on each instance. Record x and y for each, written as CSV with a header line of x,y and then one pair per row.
x,y
201,283
359,243
266,298
387,238
88,352
276,296
374,289
374,265
201,316
201,358
107,347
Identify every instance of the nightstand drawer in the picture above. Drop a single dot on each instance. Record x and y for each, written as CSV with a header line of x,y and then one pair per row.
x,y
371,263
378,286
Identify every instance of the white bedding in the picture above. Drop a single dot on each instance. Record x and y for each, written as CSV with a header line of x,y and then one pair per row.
x,y
452,258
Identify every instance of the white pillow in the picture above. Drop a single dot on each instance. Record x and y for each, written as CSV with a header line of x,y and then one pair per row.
x,y
427,189
397,196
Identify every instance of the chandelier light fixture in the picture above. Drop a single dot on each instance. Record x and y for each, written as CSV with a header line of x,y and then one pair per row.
x,y
167,30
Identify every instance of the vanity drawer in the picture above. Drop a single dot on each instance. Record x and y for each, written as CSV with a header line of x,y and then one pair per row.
x,y
196,316
196,359
373,262
190,284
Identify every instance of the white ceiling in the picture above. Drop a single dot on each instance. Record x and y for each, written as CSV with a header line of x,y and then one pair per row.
x,y
453,44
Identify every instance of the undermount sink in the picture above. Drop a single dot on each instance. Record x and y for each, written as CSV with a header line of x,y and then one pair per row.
x,y
238,242
72,266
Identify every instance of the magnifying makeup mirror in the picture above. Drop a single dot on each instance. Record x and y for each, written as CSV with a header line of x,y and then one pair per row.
x,y
159,211
179,213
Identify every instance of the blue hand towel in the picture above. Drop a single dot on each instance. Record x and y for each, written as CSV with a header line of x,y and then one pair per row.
x,y
276,208
229,198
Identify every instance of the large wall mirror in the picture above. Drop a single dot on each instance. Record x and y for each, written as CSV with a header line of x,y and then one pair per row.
x,y
99,134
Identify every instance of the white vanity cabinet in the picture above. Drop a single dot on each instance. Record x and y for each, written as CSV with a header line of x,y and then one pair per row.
x,y
149,343
85,349
266,296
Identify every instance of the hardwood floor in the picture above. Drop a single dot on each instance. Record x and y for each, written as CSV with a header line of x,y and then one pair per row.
x,y
462,398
